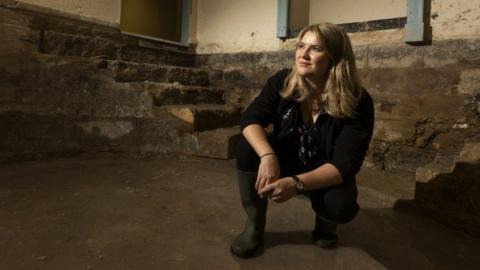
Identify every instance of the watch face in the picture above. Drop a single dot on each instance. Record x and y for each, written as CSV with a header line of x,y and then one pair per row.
x,y
299,185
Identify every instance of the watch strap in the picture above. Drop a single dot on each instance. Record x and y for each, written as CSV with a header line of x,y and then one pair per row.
x,y
299,184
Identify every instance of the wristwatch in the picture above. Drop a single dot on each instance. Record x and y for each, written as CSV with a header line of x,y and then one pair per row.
x,y
298,184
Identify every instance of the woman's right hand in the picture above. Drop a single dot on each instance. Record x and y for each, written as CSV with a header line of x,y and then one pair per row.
x,y
268,171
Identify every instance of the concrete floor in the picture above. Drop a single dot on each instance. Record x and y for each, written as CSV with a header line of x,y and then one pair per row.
x,y
182,213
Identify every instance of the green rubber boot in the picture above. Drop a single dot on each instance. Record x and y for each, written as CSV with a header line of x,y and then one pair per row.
x,y
325,233
251,239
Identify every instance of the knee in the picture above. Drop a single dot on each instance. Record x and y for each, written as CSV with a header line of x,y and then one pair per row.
x,y
341,212
246,157
337,211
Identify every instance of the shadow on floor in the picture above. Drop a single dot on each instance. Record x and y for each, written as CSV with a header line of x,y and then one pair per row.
x,y
183,214
403,237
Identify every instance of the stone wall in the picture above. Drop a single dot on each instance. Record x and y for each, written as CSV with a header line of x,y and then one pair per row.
x,y
64,87
426,97
69,87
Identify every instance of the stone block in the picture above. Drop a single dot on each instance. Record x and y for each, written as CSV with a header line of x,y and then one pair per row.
x,y
391,129
188,76
142,54
235,76
164,134
11,17
203,117
397,115
453,196
141,72
241,97
218,143
411,81
445,140
135,72
109,129
16,39
469,82
432,170
404,157
470,154
177,94
449,188
74,44
393,56
440,54
77,45
247,61
387,187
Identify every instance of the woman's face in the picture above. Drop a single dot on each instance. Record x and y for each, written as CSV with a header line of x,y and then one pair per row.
x,y
311,58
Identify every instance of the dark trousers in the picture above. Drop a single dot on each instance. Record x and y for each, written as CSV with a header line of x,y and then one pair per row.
x,y
337,204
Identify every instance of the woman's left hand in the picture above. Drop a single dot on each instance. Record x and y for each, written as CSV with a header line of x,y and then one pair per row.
x,y
281,191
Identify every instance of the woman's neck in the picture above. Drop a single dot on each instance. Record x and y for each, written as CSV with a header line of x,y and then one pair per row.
x,y
316,85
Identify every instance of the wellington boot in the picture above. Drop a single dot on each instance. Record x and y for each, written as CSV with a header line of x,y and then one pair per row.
x,y
251,239
325,233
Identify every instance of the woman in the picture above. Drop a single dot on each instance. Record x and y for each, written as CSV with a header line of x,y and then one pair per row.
x,y
322,125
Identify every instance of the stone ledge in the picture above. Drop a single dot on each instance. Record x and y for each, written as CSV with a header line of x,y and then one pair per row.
x,y
178,94
218,143
449,188
203,117
124,71
455,52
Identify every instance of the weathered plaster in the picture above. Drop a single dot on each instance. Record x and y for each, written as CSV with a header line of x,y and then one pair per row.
x,y
235,26
452,19
227,27
347,11
107,11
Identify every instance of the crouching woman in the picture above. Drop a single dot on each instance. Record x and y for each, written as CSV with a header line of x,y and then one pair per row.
x,y
322,124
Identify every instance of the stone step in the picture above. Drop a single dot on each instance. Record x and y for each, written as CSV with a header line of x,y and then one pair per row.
x,y
218,143
168,134
178,94
124,71
202,117
386,188
456,180
111,45
235,77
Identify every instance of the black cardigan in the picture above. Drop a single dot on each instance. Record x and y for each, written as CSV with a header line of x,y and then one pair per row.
x,y
340,142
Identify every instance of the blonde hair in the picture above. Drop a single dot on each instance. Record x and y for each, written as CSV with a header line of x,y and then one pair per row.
x,y
342,87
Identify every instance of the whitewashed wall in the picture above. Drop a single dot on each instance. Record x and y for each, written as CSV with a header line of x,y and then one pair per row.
x,y
107,11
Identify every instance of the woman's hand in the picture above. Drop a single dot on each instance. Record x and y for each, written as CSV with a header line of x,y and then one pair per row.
x,y
281,190
268,171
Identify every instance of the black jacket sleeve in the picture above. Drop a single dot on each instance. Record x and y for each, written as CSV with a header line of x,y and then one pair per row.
x,y
351,145
263,108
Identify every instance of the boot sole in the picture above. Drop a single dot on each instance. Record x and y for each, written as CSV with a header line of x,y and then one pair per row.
x,y
247,254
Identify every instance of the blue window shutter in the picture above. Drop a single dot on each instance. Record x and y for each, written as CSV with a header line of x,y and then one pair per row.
x,y
282,18
186,12
415,27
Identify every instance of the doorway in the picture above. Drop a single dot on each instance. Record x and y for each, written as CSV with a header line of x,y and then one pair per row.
x,y
163,20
